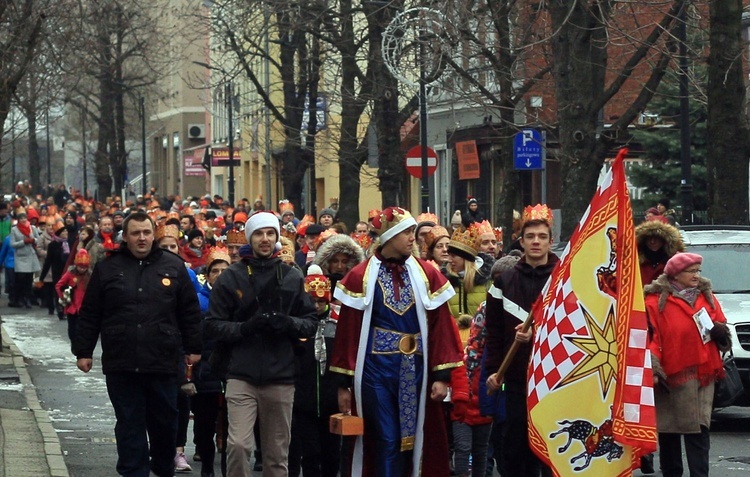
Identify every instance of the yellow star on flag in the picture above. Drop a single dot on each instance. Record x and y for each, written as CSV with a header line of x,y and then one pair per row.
x,y
600,348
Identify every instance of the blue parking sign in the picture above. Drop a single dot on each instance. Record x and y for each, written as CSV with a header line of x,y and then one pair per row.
x,y
528,150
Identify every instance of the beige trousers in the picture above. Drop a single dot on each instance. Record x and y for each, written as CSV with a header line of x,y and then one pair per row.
x,y
272,405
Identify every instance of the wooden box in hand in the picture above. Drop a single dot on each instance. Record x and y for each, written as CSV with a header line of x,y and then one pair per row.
x,y
346,425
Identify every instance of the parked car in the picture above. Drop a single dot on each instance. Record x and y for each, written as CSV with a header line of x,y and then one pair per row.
x,y
726,262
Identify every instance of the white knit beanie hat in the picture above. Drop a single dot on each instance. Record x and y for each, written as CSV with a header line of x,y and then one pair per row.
x,y
260,220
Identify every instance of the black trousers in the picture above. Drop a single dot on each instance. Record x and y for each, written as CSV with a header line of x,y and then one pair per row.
x,y
313,448
205,412
696,450
146,410
24,291
183,418
518,460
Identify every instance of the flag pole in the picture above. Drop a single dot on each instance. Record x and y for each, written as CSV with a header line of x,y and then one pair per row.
x,y
511,353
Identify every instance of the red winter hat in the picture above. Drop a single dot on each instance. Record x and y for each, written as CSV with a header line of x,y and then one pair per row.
x,y
82,258
31,213
681,261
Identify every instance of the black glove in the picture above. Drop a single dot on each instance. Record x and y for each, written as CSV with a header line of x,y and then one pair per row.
x,y
720,334
253,324
278,323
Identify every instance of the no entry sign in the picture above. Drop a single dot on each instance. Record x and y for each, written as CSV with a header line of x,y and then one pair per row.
x,y
414,161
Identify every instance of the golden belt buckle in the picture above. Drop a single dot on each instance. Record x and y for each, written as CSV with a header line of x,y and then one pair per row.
x,y
407,344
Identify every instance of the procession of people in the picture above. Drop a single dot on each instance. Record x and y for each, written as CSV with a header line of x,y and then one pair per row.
x,y
263,324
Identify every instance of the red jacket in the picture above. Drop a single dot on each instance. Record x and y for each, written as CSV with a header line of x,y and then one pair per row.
x,y
79,284
465,380
194,260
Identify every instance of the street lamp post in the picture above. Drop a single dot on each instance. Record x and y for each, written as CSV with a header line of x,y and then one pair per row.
x,y
230,143
83,150
143,144
686,185
49,152
13,155
419,31
423,129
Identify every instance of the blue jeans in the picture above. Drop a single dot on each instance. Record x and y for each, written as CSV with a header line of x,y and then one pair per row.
x,y
146,411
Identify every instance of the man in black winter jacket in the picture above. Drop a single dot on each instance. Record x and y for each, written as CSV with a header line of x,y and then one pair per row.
x,y
257,312
141,301
509,301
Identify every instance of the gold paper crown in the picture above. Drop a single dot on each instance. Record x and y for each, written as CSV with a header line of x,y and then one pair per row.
x,y
538,212
392,221
217,253
373,213
318,286
322,237
434,235
333,200
170,230
285,205
363,239
307,219
466,239
236,237
286,254
427,217
498,231
485,227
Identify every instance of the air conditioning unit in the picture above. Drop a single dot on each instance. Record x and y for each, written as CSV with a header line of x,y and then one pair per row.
x,y
197,131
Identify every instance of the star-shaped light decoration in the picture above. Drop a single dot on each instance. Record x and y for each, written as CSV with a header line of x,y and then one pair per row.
x,y
601,352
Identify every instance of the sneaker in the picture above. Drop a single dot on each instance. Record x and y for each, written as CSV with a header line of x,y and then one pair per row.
x,y
180,463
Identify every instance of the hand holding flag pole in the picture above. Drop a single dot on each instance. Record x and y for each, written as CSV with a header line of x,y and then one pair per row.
x,y
509,356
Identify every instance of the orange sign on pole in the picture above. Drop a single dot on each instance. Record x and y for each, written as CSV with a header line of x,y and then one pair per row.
x,y
468,160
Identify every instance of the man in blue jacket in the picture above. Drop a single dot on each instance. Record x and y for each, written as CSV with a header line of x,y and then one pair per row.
x,y
141,301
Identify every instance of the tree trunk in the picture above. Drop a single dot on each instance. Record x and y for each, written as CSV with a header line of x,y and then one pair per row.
x,y
391,167
508,198
579,72
120,165
727,119
34,162
351,154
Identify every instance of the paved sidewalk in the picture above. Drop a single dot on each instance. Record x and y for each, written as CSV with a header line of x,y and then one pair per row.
x,y
29,445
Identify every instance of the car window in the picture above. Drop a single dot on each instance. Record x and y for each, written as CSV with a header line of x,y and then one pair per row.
x,y
725,265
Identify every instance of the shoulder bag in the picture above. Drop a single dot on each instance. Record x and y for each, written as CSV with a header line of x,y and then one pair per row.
x,y
729,389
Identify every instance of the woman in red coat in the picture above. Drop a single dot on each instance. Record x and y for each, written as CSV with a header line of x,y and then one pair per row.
x,y
688,332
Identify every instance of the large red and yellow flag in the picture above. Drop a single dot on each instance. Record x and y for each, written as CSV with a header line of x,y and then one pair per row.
x,y
590,390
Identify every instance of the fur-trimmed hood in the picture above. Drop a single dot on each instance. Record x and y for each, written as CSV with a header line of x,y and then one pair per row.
x,y
663,288
671,236
339,243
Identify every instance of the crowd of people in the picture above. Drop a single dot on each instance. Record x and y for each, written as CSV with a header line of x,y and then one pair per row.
x,y
263,324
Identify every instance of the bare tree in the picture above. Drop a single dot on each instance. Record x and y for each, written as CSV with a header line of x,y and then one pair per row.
x,y
283,38
727,117
586,78
584,56
119,47
21,26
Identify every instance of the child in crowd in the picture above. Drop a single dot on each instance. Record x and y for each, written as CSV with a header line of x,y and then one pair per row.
x,y
72,287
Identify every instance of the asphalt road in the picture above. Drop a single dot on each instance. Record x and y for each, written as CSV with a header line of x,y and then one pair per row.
x,y
80,411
